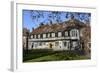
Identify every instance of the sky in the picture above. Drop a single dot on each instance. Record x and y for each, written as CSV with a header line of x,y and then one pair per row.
x,y
33,18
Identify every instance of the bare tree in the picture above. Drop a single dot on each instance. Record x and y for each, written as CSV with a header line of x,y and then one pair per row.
x,y
56,16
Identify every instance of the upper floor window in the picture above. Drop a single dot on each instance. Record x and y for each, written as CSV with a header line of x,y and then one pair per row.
x,y
66,33
38,35
44,35
31,36
59,34
34,36
48,35
74,33
53,34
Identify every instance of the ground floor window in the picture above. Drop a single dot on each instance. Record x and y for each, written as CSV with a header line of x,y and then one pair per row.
x,y
74,44
35,45
56,43
68,45
65,44
40,44
43,43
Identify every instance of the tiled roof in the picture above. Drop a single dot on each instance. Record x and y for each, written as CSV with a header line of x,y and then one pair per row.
x,y
58,27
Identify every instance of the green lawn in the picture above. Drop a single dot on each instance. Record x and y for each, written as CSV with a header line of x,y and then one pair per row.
x,y
44,58
49,55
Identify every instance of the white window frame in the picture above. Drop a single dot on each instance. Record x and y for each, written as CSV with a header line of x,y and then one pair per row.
x,y
53,34
35,36
38,35
48,35
75,44
31,36
74,33
66,33
44,35
59,34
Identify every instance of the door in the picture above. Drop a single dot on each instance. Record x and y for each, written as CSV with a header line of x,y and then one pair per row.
x,y
50,45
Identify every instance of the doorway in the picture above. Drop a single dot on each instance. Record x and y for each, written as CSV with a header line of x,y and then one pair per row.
x,y
50,45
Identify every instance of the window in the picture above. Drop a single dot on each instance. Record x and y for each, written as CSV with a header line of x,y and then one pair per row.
x,y
53,34
35,45
59,34
43,43
40,44
74,32
34,36
75,44
66,33
56,43
56,34
38,35
68,45
44,35
48,35
31,36
65,44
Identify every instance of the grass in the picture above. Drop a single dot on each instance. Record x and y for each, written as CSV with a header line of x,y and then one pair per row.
x,y
44,58
42,55
36,53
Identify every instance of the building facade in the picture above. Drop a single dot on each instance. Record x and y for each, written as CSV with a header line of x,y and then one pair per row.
x,y
59,36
